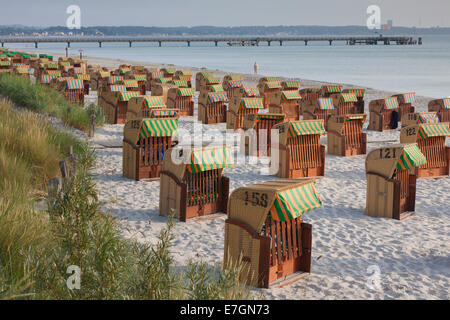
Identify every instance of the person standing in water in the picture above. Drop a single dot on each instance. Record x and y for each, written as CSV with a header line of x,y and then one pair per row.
x,y
255,67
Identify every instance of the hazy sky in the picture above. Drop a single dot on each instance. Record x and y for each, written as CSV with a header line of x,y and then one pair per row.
x,y
224,12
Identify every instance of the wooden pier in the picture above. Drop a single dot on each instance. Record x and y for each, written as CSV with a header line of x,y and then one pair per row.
x,y
231,41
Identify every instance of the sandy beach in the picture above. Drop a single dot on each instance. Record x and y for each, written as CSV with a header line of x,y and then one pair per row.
x,y
412,256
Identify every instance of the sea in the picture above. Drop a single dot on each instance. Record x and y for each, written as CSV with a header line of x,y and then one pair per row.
x,y
424,69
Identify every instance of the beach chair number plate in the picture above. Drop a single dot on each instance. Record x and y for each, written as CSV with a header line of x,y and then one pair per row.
x,y
410,131
257,199
387,153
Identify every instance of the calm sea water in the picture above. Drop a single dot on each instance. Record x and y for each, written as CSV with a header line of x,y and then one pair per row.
x,y
424,69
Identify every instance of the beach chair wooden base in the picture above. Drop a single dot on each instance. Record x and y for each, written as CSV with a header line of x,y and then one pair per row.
x,y
405,215
281,282
441,172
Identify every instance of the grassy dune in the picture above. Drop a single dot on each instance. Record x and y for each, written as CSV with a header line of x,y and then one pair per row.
x,y
39,243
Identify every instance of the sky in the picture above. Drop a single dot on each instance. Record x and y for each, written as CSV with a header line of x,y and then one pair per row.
x,y
169,13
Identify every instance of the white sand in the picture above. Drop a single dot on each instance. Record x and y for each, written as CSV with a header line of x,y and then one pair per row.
x,y
412,255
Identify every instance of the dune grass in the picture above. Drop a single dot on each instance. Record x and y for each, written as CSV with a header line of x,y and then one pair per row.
x,y
38,244
36,97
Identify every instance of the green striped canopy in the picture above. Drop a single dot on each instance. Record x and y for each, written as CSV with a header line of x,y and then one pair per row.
x,y
291,84
5,63
158,128
252,103
409,97
83,77
325,103
390,103
51,66
272,84
235,84
56,73
292,203
217,88
351,117
46,78
126,96
212,80
114,79
131,83
210,159
73,84
411,157
332,88
348,97
428,118
64,63
116,88
251,92
170,70
153,102
446,103
185,92
271,79
290,95
163,80
157,74
357,92
206,74
180,83
299,128
158,113
217,97
78,70
22,70
184,78
433,130
140,77
268,116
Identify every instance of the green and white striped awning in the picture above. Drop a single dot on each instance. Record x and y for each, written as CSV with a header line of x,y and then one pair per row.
x,y
299,128
428,118
357,92
210,159
351,117
235,84
78,70
56,73
325,103
348,97
212,80
158,113
163,80
272,84
251,92
158,128
217,88
290,95
390,103
131,83
140,77
291,84
126,96
185,92
292,203
5,63
252,103
85,77
170,70
332,88
411,157
446,103
409,97
46,78
270,116
271,79
73,84
433,130
206,74
114,79
217,97
153,102
180,83
115,88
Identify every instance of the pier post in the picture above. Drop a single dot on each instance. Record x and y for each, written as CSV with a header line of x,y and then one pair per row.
x,y
130,43
331,42
68,44
281,43
306,43
268,43
216,42
189,43
35,45
159,43
99,44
